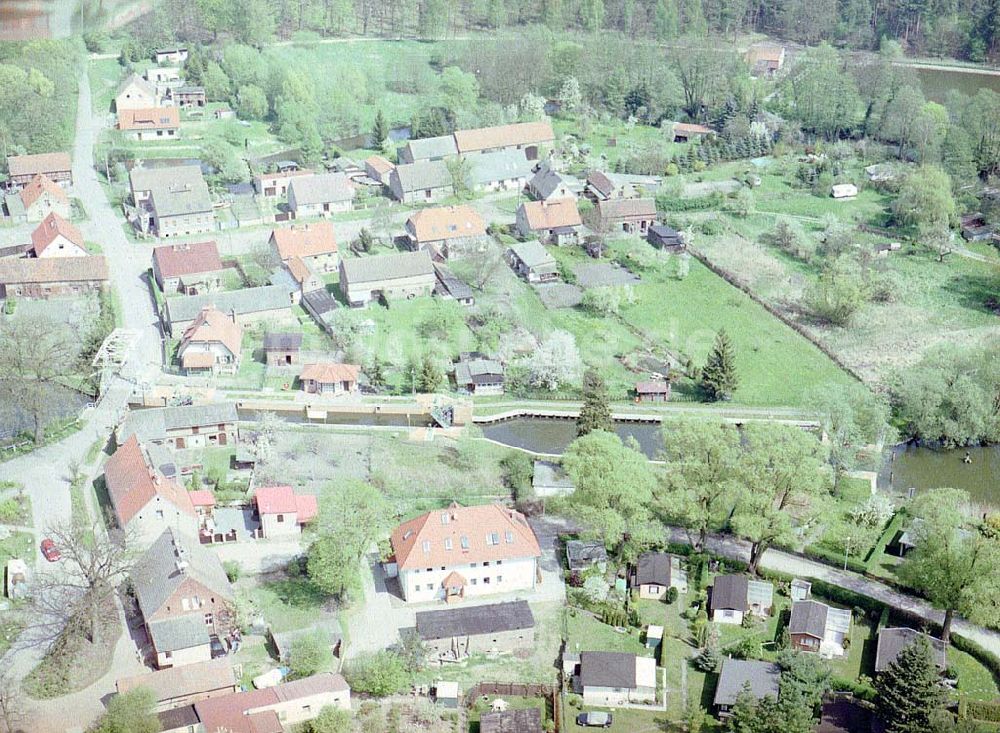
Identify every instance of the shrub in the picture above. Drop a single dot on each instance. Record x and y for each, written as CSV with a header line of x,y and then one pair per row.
x,y
672,594
380,675
310,654
862,688
10,306
987,659
517,470
983,710
232,570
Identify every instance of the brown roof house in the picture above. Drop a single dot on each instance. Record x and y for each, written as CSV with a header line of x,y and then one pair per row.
x,y
185,599
211,344
51,277
273,709
187,96
655,572
150,123
282,348
633,216
320,195
817,627
604,186
21,169
401,276
456,633
425,181
447,231
459,551
733,596
145,502
609,679
134,92
533,262
329,378
315,243
283,512
37,200
652,390
685,131
56,237
275,185
190,268
553,222
891,641
525,720
526,136
179,686
378,169
172,201
765,59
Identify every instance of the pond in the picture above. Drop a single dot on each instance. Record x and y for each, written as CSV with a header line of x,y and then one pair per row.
x,y
64,402
553,435
297,416
938,81
923,467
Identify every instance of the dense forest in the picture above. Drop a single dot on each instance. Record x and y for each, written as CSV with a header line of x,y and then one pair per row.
x,y
968,29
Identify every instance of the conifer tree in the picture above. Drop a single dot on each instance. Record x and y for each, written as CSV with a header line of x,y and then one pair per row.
x,y
718,377
909,693
596,411
380,130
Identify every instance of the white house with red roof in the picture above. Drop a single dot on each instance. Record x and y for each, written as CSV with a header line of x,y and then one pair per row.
x,y
211,344
144,501
42,197
282,511
460,552
56,237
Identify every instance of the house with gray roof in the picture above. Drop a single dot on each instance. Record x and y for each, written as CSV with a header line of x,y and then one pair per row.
x,y
404,275
615,678
428,148
320,195
533,262
456,633
172,201
450,287
184,426
185,598
760,679
891,641
655,572
503,170
583,554
134,92
547,184
426,181
477,374
733,596
819,628
248,306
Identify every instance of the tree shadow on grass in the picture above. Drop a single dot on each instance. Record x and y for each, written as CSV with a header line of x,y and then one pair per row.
x,y
972,291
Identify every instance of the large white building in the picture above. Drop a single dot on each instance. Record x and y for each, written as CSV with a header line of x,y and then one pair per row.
x,y
459,552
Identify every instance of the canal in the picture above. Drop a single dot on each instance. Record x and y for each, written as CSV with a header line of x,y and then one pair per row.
x,y
976,470
937,81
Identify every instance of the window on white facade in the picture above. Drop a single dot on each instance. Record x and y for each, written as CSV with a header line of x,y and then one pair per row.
x,y
473,581
185,604
499,578
486,580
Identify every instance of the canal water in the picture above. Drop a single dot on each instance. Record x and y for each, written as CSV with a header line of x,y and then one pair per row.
x,y
936,83
923,467
553,435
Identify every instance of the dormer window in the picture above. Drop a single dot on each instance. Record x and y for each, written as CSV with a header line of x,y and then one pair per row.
x,y
509,536
407,534
444,518
493,538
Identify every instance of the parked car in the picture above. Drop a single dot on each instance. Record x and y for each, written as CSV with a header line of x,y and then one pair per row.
x,y
50,551
594,719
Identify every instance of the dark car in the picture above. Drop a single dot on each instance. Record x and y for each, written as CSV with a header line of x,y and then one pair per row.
x,y
50,551
594,719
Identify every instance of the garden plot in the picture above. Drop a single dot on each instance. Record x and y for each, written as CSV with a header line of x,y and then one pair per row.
x,y
559,295
603,274
705,188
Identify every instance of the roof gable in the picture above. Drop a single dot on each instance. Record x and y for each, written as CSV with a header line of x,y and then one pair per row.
x,y
305,240
542,215
387,267
29,165
41,185
52,227
132,483
503,136
213,326
189,258
149,118
446,222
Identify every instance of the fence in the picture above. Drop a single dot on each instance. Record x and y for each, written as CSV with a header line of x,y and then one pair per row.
x,y
520,689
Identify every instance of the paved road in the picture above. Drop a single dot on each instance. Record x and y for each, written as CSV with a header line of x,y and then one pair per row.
x,y
794,565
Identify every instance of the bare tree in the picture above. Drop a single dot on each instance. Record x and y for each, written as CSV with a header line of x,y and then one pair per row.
x,y
266,259
482,263
34,354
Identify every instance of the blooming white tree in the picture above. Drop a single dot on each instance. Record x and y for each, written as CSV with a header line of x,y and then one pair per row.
x,y
570,96
555,362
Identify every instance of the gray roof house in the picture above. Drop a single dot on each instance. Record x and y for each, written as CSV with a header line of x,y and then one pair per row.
x,y
398,276
654,572
532,261
174,635
734,595
458,632
817,627
501,170
428,148
891,641
547,184
582,554
168,564
549,479
172,201
615,678
450,287
763,679
249,306
423,182
157,425
320,195
477,374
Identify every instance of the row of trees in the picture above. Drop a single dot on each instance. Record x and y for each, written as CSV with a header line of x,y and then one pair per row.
x,y
964,28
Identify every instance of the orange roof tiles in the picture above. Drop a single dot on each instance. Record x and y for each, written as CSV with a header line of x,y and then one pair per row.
x,y
306,240
53,270
504,136
551,214
212,325
39,185
379,164
298,269
329,372
150,118
446,222
253,711
175,260
459,535
283,500
202,497
51,227
132,483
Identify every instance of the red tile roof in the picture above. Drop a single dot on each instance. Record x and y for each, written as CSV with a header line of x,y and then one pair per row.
x,y
150,118
53,270
551,214
686,128
305,240
283,500
175,260
329,372
253,711
39,185
446,222
202,497
51,227
210,326
132,483
469,532
486,138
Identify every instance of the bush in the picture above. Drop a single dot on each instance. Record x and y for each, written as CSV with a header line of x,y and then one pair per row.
x,y
861,688
232,570
983,710
672,594
517,470
987,659
310,654
10,306
381,674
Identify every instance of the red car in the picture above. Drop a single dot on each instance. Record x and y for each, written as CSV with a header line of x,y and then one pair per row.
x,y
50,550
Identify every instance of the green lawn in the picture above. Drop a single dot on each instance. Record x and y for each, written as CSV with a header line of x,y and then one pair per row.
x,y
287,605
626,720
587,634
974,680
860,657
105,75
17,545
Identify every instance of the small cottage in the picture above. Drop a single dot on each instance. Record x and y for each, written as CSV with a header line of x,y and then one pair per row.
x,y
733,596
656,390
616,678
761,678
211,344
282,348
476,374
331,379
553,222
667,238
283,512
533,262
817,627
655,572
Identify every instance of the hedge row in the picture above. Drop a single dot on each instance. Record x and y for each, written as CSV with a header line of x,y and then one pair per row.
x,y
670,203
832,557
984,657
980,710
